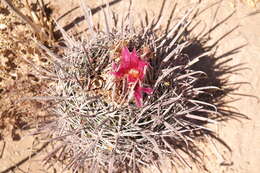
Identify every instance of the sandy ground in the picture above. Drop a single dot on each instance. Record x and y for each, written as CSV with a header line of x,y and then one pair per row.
x,y
241,135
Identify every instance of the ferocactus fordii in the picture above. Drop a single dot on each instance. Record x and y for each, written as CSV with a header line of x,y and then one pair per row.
x,y
127,96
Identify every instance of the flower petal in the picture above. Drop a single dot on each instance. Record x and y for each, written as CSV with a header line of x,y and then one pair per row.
x,y
125,57
114,66
141,69
138,95
131,79
134,60
147,90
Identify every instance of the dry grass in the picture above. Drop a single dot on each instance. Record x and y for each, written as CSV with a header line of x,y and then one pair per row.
x,y
17,76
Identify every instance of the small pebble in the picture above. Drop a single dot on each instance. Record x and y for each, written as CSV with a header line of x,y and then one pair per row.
x,y
2,26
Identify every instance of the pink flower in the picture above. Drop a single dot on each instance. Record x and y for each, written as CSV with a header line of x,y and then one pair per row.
x,y
130,65
133,68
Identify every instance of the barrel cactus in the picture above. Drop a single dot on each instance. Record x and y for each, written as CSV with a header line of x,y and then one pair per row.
x,y
127,96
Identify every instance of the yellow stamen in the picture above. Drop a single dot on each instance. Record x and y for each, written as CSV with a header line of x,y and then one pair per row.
x,y
134,73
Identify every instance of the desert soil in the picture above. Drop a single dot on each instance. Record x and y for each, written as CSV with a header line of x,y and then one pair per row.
x,y
241,135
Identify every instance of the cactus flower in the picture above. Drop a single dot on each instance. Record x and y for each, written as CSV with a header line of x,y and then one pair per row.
x,y
133,68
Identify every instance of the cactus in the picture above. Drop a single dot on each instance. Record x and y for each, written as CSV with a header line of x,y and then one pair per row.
x,y
113,115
